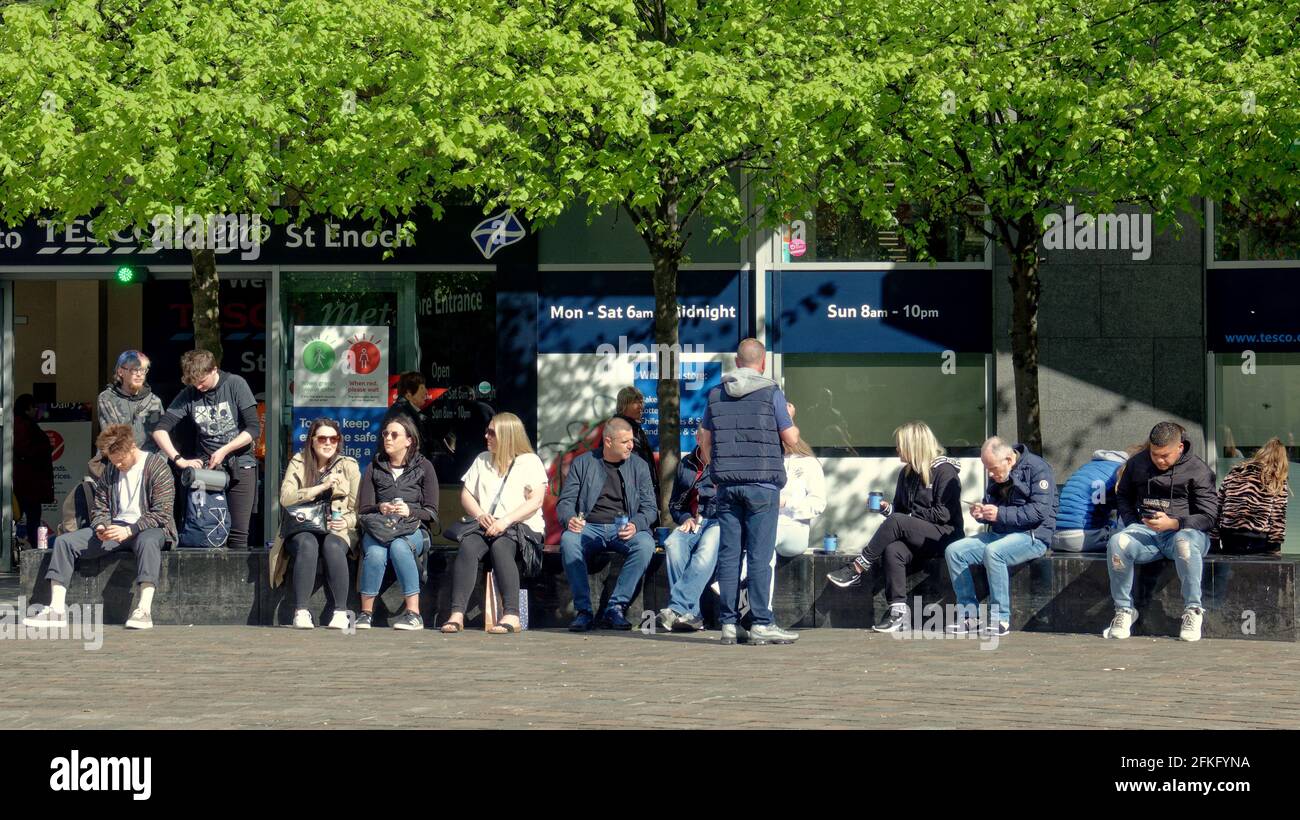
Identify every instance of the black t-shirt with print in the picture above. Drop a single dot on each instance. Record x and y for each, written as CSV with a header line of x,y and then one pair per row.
x,y
216,415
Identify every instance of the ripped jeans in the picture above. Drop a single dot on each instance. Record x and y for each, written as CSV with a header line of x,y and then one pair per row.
x,y
1139,544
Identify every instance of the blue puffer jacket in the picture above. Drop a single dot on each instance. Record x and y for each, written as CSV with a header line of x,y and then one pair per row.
x,y
1032,504
1077,510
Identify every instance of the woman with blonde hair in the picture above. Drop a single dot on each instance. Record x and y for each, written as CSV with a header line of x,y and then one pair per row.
x,y
924,517
1252,502
504,486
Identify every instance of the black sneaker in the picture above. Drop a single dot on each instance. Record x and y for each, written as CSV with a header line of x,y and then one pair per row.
x,y
364,620
581,622
849,575
894,621
613,618
409,621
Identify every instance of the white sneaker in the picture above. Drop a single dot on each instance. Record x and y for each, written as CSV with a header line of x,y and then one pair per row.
x,y
339,620
1191,630
139,619
302,619
46,618
1121,626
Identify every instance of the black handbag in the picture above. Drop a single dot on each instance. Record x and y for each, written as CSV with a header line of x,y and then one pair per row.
x,y
530,549
386,528
310,517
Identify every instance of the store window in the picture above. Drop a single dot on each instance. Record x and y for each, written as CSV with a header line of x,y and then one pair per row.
x,y
832,234
1257,397
1245,234
848,404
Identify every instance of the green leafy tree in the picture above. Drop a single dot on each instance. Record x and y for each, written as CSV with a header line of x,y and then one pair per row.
x,y
681,113
1023,106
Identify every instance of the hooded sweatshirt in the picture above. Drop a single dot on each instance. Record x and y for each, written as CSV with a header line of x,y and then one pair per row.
x,y
746,415
939,503
1185,491
142,411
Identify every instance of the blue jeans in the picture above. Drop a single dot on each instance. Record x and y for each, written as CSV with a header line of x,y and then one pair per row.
x,y
577,547
692,557
1139,544
377,555
998,553
747,516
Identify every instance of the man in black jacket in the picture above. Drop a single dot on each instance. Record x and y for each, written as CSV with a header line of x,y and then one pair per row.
x,y
1168,504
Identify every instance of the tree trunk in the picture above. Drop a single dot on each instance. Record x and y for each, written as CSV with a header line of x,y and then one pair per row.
x,y
1025,289
205,290
666,264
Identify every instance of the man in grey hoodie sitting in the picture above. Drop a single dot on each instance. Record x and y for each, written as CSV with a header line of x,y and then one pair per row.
x,y
740,438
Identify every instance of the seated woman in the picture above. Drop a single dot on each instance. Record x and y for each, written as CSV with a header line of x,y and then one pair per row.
x,y
504,486
319,473
803,497
924,518
1083,524
399,483
1252,502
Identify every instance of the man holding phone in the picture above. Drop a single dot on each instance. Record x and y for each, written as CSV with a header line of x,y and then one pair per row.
x,y
132,510
1168,504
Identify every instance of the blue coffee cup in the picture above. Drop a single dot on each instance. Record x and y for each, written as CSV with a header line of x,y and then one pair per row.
x,y
621,521
831,543
874,500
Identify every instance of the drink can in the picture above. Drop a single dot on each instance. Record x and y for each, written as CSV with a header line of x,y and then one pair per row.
x,y
337,515
621,521
42,537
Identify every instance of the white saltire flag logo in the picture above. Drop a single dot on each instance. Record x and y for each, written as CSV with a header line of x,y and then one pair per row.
x,y
495,232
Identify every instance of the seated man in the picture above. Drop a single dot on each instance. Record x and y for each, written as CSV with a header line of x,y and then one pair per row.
x,y
692,548
1083,515
132,510
607,504
1020,504
1168,504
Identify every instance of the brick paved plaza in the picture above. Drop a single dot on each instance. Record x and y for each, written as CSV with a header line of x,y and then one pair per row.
x,y
247,677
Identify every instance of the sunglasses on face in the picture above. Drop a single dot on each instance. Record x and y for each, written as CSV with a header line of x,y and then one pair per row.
x,y
328,439
393,435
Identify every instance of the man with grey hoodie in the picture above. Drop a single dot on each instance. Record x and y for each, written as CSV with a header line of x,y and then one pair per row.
x,y
740,439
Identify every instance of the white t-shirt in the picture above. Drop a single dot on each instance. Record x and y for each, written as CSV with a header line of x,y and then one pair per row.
x,y
130,493
803,497
482,481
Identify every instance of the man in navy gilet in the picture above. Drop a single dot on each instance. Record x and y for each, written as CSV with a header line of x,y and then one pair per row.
x,y
740,437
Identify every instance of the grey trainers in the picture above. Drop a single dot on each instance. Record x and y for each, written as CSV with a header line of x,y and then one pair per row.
x,y
409,621
46,618
139,619
1121,626
688,623
668,617
733,634
771,633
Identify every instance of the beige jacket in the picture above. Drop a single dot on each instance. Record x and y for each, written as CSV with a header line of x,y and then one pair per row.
x,y
293,491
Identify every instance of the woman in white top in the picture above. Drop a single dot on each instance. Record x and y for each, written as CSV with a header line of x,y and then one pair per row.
x,y
803,497
509,456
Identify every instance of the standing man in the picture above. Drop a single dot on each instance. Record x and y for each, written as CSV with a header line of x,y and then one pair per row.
x,y
225,415
740,437
1168,505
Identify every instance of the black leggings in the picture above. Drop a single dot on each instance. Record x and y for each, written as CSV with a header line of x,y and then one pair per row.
x,y
506,574
1246,543
240,496
306,547
899,539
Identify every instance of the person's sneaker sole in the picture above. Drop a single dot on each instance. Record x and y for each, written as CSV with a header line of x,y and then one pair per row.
x,y
139,625
857,579
890,627
361,626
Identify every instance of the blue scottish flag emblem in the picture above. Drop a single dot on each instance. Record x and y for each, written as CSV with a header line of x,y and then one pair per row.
x,y
495,232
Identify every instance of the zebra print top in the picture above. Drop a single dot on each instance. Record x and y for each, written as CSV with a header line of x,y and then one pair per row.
x,y
1244,506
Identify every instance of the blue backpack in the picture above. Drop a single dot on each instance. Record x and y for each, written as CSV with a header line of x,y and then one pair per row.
x,y
207,520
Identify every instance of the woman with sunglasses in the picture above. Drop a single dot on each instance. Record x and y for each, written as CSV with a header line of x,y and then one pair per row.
x,y
504,486
401,482
317,473
129,400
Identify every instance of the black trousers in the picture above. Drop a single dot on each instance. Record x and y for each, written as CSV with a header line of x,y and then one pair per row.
x,y
473,548
84,544
306,549
1235,542
240,497
900,539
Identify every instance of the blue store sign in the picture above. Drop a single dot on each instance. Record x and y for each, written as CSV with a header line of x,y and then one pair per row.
x,y
884,311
